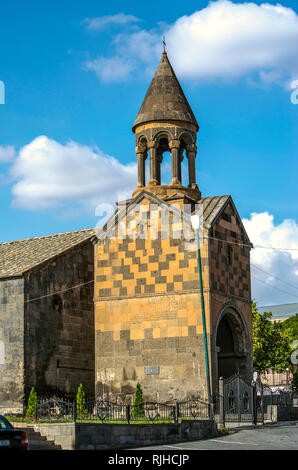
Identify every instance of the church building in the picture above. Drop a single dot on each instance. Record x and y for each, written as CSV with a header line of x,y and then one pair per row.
x,y
122,304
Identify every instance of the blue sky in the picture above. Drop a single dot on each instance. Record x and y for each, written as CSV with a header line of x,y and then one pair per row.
x,y
77,72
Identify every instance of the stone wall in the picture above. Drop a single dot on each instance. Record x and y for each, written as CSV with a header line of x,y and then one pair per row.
x,y
85,436
230,291
148,317
283,413
11,345
59,329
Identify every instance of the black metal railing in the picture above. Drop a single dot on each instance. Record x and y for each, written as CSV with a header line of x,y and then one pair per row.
x,y
54,409
193,409
104,411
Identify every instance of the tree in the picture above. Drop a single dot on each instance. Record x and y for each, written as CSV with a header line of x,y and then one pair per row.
x,y
81,401
138,403
32,402
271,342
262,339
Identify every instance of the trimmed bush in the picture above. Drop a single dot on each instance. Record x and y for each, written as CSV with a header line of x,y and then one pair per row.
x,y
138,403
32,402
81,402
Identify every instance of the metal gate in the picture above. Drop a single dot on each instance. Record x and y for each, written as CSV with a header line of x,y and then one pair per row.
x,y
238,400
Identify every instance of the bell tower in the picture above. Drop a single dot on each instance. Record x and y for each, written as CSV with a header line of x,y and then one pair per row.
x,y
166,123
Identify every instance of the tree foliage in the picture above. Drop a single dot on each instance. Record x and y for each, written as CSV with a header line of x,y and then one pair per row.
x,y
32,402
271,342
81,401
138,403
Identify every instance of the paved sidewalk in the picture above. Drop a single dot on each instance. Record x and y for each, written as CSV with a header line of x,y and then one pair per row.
x,y
281,436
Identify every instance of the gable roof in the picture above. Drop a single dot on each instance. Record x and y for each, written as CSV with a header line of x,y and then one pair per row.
x,y
212,208
19,256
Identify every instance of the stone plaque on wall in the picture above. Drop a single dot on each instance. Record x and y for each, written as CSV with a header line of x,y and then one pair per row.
x,y
152,370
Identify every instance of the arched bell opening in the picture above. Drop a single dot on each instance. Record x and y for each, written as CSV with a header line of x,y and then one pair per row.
x,y
141,152
189,148
162,151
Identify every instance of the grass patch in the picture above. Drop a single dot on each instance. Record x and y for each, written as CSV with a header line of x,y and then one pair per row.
x,y
223,431
27,420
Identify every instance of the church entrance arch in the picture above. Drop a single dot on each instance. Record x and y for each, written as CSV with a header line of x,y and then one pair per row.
x,y
232,344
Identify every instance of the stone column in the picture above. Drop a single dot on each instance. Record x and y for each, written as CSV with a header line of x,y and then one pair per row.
x,y
158,163
191,151
221,401
180,160
141,157
153,166
174,147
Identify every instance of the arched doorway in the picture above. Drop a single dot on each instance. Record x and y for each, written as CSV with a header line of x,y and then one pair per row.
x,y
232,345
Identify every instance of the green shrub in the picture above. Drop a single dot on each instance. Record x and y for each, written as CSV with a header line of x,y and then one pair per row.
x,y
81,402
32,402
138,403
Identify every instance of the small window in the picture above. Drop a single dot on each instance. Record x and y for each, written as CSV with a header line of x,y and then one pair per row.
x,y
229,255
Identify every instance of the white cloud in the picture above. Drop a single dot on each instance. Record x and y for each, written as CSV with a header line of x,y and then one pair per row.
x,y
50,175
101,22
274,272
222,41
7,153
111,69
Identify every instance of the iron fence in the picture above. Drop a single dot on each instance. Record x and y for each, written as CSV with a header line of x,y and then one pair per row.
x,y
54,409
193,409
105,411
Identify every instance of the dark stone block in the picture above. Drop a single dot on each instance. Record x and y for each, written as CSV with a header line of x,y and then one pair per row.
x,y
128,276
149,289
143,267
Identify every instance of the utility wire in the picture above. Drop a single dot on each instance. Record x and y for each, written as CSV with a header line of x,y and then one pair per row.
x,y
278,278
213,238
273,287
59,292
249,245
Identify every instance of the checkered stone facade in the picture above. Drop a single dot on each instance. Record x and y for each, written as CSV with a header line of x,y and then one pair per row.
x,y
148,306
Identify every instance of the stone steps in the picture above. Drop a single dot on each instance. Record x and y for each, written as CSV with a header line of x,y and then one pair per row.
x,y
38,442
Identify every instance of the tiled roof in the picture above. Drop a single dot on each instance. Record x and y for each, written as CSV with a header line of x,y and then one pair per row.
x,y
212,207
19,256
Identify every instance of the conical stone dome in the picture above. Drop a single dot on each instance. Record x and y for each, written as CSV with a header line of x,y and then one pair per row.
x,y
165,100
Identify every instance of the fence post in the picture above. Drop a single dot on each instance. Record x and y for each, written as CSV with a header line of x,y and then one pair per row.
x,y
221,401
239,398
127,410
74,410
254,406
35,412
176,412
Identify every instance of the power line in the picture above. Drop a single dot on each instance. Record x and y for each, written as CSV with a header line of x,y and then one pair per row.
x,y
250,245
59,292
273,287
270,274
